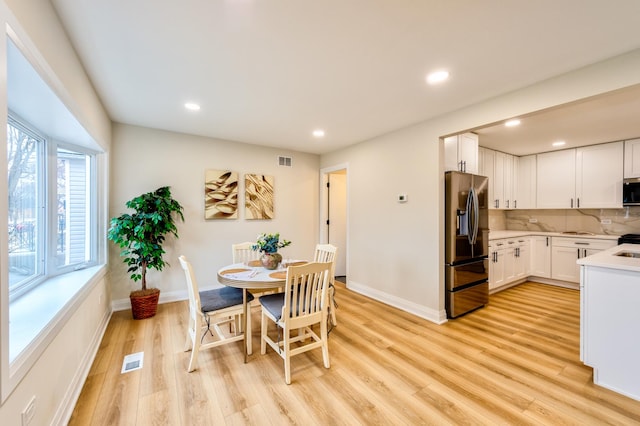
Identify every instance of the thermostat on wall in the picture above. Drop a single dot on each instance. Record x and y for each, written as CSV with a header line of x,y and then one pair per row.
x,y
402,198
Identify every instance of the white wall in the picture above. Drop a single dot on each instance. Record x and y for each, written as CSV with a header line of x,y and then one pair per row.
x,y
144,159
56,377
396,250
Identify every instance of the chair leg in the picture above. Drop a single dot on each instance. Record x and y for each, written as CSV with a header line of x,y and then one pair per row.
x,y
188,345
332,306
287,355
247,332
263,334
325,343
193,362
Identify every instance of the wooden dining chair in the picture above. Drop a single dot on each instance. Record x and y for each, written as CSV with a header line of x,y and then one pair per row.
x,y
327,253
208,311
302,306
243,253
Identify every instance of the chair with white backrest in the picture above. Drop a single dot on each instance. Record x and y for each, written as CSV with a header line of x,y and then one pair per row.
x,y
208,310
243,253
327,253
302,306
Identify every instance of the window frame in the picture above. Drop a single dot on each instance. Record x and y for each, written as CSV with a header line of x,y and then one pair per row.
x,y
46,219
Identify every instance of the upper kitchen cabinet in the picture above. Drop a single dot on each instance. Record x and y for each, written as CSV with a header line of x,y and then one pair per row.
x,y
503,181
588,177
461,153
632,158
524,189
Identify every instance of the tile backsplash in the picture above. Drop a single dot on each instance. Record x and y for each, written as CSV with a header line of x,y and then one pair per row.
x,y
616,221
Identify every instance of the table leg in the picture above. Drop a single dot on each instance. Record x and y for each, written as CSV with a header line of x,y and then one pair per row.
x,y
244,328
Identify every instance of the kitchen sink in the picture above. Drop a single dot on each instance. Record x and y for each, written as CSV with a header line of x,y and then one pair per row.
x,y
629,254
577,233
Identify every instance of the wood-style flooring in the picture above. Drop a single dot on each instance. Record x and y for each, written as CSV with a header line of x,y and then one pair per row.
x,y
516,361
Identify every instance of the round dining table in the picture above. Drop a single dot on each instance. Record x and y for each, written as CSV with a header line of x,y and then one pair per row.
x,y
253,275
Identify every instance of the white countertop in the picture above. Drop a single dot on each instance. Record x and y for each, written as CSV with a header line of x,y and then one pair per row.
x,y
496,235
608,258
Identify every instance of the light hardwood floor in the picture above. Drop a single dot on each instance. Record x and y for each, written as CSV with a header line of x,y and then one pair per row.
x,y
516,361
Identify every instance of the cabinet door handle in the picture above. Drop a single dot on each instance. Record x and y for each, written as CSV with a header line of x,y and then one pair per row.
x,y
507,203
572,203
578,202
497,204
581,243
547,241
578,253
515,204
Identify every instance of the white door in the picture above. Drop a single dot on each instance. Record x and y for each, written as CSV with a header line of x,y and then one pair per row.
x,y
337,217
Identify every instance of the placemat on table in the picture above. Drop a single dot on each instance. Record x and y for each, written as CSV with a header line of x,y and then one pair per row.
x,y
255,263
233,271
295,263
278,275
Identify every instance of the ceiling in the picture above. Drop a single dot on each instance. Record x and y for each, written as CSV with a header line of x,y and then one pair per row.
x,y
611,117
270,72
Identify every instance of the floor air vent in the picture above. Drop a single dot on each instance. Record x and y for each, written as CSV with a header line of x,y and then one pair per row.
x,y
284,161
132,362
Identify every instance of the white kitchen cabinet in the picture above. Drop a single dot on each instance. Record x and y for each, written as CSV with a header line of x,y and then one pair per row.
x,y
588,177
522,259
599,176
508,261
632,158
565,252
496,264
501,169
461,153
524,192
556,179
486,166
540,256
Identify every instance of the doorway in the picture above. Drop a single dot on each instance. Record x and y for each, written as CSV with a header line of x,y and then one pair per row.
x,y
333,215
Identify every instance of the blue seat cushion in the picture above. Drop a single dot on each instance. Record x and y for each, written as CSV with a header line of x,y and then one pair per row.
x,y
220,298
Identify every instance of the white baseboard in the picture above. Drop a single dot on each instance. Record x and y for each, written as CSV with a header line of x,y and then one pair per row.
x,y
68,403
165,297
438,317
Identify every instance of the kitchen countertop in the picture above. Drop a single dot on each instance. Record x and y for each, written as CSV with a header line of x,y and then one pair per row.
x,y
608,258
496,235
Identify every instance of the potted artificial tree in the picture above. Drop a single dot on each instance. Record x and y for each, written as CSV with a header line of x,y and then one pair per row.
x,y
140,235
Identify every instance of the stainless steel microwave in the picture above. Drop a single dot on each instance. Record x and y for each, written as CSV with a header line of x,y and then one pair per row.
x,y
631,192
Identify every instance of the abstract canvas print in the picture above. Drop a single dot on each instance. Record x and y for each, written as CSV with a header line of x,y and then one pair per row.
x,y
220,194
258,196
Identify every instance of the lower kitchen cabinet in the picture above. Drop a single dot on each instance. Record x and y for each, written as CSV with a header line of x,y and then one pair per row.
x,y
540,256
566,251
509,261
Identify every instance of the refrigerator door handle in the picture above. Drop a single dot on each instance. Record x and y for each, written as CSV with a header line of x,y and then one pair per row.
x,y
474,215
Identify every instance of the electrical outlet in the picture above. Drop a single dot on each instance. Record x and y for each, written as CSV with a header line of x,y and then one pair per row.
x,y
605,221
29,412
533,220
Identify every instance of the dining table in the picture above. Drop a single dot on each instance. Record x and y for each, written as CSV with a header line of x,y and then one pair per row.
x,y
253,276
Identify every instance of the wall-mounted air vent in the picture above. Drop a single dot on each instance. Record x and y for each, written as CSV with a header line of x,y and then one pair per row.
x,y
284,161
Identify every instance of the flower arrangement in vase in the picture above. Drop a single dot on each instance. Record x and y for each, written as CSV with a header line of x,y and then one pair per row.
x,y
269,244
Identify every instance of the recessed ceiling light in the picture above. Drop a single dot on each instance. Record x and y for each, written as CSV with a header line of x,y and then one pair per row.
x,y
437,77
512,123
318,133
192,106
558,143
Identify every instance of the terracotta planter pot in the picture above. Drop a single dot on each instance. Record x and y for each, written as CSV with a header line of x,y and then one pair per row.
x,y
144,304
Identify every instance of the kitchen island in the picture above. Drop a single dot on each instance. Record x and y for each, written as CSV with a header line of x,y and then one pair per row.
x,y
610,318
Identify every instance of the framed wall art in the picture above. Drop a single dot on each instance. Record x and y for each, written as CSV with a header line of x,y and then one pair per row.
x,y
220,194
258,196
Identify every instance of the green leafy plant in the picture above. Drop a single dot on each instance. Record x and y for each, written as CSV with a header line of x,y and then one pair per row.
x,y
141,234
269,243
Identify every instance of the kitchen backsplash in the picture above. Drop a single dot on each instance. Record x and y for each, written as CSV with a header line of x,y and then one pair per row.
x,y
622,221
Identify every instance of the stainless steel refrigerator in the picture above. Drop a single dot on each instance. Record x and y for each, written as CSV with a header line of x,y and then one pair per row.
x,y
466,243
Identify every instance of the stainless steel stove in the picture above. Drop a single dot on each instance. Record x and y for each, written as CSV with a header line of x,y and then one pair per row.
x,y
629,239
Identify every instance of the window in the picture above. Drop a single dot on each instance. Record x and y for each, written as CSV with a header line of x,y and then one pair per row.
x,y
50,207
